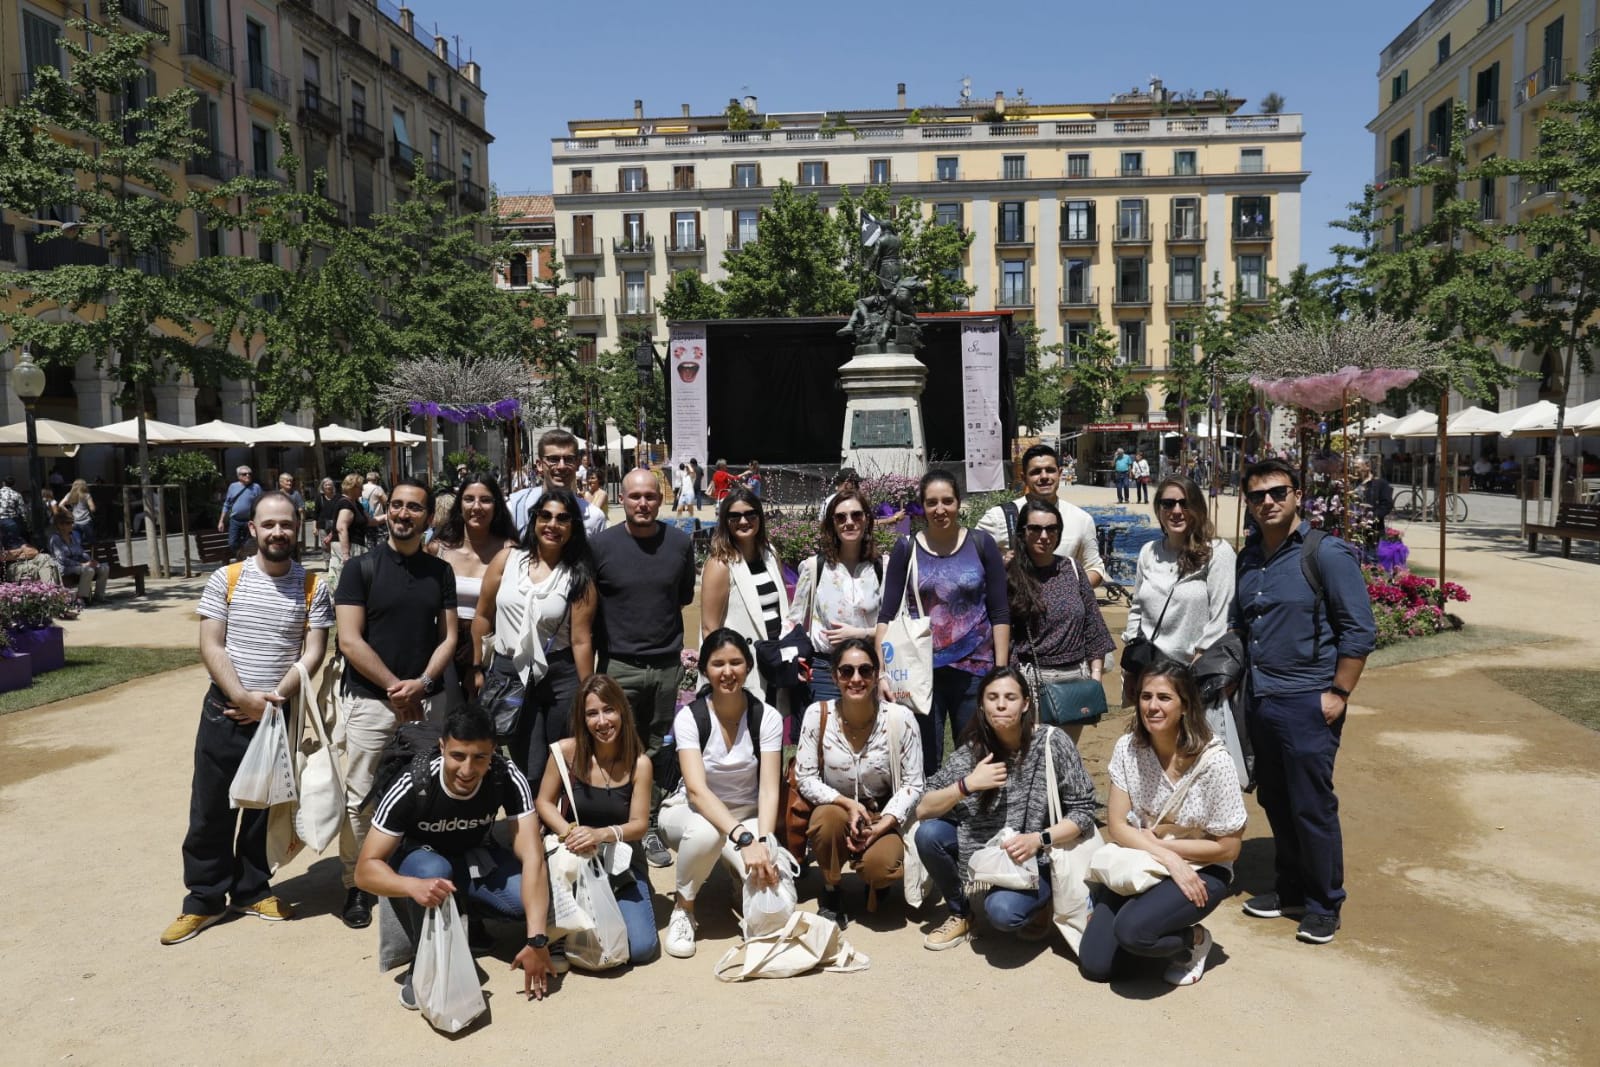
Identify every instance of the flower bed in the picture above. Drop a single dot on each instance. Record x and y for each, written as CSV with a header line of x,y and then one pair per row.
x,y
33,605
1408,605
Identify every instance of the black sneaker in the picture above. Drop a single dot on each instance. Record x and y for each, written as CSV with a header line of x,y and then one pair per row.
x,y
408,995
830,906
357,912
655,853
1266,906
1317,929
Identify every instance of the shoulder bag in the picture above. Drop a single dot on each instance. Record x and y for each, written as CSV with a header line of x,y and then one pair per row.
x,y
1069,866
1064,698
795,807
786,662
908,646
1139,653
1130,871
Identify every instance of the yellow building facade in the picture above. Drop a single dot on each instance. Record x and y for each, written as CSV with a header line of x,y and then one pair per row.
x,y
1507,61
1121,210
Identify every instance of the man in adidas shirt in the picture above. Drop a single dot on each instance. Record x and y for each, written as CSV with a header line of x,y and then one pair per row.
x,y
1041,471
257,618
431,839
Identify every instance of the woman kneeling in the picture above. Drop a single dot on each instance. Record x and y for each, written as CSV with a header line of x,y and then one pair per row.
x,y
1175,795
728,801
867,782
997,779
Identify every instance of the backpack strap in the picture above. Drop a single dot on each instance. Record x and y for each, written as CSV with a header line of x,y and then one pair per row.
x,y
234,571
311,594
1311,568
754,711
1008,508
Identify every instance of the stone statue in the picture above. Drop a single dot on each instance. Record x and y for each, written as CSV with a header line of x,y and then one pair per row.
x,y
886,313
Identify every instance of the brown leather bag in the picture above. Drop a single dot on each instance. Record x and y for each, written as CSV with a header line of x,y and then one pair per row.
x,y
796,808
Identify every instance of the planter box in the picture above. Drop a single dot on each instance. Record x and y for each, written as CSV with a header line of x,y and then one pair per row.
x,y
46,645
16,671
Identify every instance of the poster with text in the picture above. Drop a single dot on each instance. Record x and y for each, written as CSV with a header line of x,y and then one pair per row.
x,y
980,388
686,363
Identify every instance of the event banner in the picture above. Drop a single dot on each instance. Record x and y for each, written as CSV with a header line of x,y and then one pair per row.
x,y
686,363
980,388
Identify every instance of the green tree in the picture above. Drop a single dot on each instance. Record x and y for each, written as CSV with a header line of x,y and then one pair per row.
x,y
930,252
1041,388
96,147
793,268
1099,379
689,297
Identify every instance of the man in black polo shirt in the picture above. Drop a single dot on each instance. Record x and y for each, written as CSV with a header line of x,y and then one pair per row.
x,y
433,840
644,571
396,607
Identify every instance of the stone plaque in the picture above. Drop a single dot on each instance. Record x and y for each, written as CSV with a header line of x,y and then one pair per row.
x,y
881,428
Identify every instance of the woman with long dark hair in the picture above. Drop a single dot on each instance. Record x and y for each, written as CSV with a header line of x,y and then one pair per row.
x,y
742,584
997,779
961,583
838,591
1175,796
476,529
611,779
1056,624
538,600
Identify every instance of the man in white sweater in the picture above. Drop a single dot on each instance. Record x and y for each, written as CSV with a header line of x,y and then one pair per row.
x,y
1041,472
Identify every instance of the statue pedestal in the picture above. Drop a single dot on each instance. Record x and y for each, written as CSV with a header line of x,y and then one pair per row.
x,y
883,416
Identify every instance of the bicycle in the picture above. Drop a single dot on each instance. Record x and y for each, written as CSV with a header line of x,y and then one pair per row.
x,y
1415,506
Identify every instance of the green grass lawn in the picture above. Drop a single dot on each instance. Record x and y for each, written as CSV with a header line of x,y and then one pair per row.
x,y
1472,638
91,668
1573,693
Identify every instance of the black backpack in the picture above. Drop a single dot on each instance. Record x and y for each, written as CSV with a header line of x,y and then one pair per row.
x,y
412,748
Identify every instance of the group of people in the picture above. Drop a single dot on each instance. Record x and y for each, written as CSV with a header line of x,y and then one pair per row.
x,y
549,647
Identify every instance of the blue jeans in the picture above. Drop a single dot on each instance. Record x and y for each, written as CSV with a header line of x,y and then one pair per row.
x,y
1007,909
238,531
1295,749
1156,924
955,699
1122,487
497,894
639,916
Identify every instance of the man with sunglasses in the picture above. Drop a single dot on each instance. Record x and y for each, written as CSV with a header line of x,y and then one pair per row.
x,y
558,465
396,609
1041,473
1305,650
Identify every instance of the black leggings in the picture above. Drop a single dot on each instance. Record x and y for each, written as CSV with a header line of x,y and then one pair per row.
x,y
1156,924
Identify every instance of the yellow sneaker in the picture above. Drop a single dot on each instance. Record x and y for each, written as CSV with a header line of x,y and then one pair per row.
x,y
952,933
186,926
269,908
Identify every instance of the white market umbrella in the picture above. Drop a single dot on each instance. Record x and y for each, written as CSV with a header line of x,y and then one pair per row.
x,y
334,434
1526,421
155,431
380,436
282,433
61,434
219,434
1545,423
1463,423
1201,430
1585,417
629,441
1368,426
1417,424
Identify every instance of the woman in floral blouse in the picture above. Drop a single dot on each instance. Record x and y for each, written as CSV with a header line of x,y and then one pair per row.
x,y
868,781
838,590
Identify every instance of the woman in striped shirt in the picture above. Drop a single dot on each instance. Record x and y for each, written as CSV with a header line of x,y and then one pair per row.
x,y
742,586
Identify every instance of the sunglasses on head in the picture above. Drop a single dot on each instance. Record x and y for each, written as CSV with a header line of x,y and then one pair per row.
x,y
848,671
1167,503
1279,493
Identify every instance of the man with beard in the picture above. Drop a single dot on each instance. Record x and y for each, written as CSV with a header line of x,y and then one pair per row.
x,y
258,617
1041,472
396,607
558,466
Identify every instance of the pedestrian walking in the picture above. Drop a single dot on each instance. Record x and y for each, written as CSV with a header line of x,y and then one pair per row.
x,y
1141,477
1122,472
237,503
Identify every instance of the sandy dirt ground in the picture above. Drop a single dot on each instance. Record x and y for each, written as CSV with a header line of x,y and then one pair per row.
x,y
1471,934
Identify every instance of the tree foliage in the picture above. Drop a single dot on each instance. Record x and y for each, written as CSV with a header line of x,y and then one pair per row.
x,y
1098,378
1041,388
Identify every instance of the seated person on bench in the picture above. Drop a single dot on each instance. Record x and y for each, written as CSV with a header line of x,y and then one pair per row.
x,y
431,839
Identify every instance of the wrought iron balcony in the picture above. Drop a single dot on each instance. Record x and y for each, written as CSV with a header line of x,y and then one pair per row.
x,y
473,196
634,307
64,252
1547,78
440,173
586,308
1132,233
213,51
1254,230
261,78
1014,296
364,137
403,158
1080,296
1484,119
1185,294
637,246
582,248
321,110
686,246
212,164
147,13
1186,234
1014,237
1132,294
1080,235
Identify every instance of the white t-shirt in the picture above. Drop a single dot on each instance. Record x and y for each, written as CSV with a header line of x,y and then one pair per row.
x,y
733,775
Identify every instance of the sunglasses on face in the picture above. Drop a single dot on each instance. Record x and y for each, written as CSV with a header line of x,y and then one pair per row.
x,y
560,518
1170,502
842,517
848,671
1035,530
1279,493
740,517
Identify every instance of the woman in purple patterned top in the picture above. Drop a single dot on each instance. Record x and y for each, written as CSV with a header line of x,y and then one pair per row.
x,y
962,581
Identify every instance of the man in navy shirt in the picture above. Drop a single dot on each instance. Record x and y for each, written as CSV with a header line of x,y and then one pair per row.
x,y
1305,654
237,504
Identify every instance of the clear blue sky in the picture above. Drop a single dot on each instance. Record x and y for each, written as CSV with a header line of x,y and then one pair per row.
x,y
545,63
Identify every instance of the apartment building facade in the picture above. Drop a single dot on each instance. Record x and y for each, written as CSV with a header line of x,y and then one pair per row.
x,y
1120,211
1507,61
364,86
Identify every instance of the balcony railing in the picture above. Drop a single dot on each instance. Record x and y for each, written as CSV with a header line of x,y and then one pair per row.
x,y
633,307
1435,149
581,248
263,79
1014,296
403,158
1252,231
1132,233
737,241
640,245
1253,294
1014,237
1133,357
1126,171
1486,117
338,214
365,137
440,173
1524,191
1080,296
154,264
1185,294
1080,235
586,308
320,109
1132,294
1193,233
213,51
1546,78
686,246
1488,208
64,252
212,164
473,196
147,13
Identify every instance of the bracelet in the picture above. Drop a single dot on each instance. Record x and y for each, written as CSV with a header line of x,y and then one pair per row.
x,y
961,784
562,837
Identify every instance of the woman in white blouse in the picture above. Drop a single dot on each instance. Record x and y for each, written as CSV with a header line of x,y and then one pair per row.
x,y
742,584
1183,593
727,803
538,600
868,782
1168,748
837,591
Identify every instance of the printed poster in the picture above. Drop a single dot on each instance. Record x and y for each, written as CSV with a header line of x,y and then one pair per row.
x,y
980,387
686,363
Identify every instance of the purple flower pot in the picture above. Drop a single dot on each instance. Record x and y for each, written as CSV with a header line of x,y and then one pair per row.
x,y
1392,554
46,645
16,670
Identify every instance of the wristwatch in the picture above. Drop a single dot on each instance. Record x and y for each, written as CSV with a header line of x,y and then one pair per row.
x,y
429,686
1044,842
539,941
1344,694
743,841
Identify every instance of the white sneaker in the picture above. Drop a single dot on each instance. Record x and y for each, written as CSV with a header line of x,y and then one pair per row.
x,y
679,941
1187,968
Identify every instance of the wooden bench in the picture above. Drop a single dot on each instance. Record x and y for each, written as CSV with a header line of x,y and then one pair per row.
x,y
106,552
212,547
1579,522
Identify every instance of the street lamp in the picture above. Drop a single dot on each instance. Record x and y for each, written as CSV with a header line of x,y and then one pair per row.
x,y
28,380
644,355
